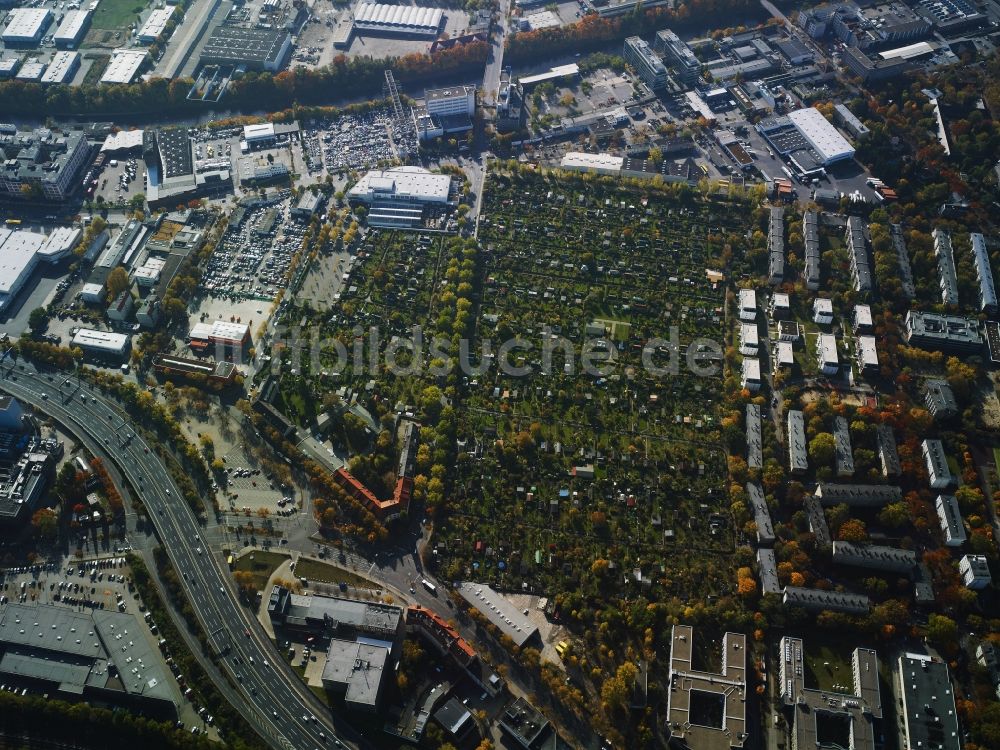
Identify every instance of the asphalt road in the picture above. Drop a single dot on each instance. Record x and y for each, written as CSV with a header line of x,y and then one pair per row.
x,y
274,700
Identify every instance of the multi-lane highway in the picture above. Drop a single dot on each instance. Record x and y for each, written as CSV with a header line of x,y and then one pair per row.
x,y
272,697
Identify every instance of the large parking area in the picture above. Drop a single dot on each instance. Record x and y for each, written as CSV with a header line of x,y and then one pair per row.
x,y
348,142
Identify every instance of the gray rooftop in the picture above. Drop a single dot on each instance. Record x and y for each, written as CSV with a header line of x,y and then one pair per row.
x,y
888,454
356,667
797,456
842,442
946,332
929,714
768,568
875,556
761,514
755,449
817,600
858,495
499,611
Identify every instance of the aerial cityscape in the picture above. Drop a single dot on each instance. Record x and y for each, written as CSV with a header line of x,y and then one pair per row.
x,y
499,374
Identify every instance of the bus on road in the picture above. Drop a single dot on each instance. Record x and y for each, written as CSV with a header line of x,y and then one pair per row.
x,y
429,586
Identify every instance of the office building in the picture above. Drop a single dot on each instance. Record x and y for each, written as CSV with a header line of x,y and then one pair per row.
x,y
947,276
984,274
62,67
578,161
679,56
938,472
878,68
357,670
72,29
857,495
975,571
124,65
156,23
251,48
823,137
888,455
509,103
819,600
448,110
761,514
43,160
707,709
644,61
950,516
330,616
849,122
776,245
11,414
940,399
399,196
22,486
149,313
810,237
929,715
798,457
857,251
755,449
511,621
397,20
824,718
102,343
26,26
945,333
93,655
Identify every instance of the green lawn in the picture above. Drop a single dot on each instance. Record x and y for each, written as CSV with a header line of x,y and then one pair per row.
x,y
826,668
261,565
115,15
313,570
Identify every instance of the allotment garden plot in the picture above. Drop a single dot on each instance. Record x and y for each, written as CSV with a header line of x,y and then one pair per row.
x,y
564,471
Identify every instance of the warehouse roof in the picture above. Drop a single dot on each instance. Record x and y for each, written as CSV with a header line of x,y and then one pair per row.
x,y
105,340
26,23
72,26
822,136
124,65
156,22
61,67
236,44
499,611
582,160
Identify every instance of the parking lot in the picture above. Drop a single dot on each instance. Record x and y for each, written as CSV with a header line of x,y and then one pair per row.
x,y
121,180
348,142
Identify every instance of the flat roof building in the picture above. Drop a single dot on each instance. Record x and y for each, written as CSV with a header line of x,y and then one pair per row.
x,y
938,472
761,513
903,259
124,65
62,67
71,29
866,352
823,311
947,333
499,611
523,722
755,447
818,600
930,719
842,443
357,669
984,273
947,276
156,23
309,204
849,121
102,343
399,196
647,65
579,161
679,56
798,458
746,300
858,495
251,48
21,251
335,616
810,238
749,339
940,399
221,372
750,378
696,696
824,138
827,358
821,718
975,571
44,158
25,26
950,516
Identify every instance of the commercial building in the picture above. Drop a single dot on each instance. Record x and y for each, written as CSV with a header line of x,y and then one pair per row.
x,y
62,67
257,170
31,72
819,600
810,238
888,455
647,65
330,616
579,161
94,655
397,20
570,70
984,273
755,449
875,557
9,67
21,251
930,719
827,358
250,48
947,276
42,160
540,19
950,516
858,495
26,26
309,205
823,137
857,251
124,65
825,718
357,669
940,399
950,16
220,373
102,343
707,710
448,110
400,196
938,471
22,485
226,335
499,611
71,29
975,571
948,333
844,456
678,55
761,514
776,244
155,24
798,457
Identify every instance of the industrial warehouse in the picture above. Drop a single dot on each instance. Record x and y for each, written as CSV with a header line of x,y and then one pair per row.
x,y
377,18
254,49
